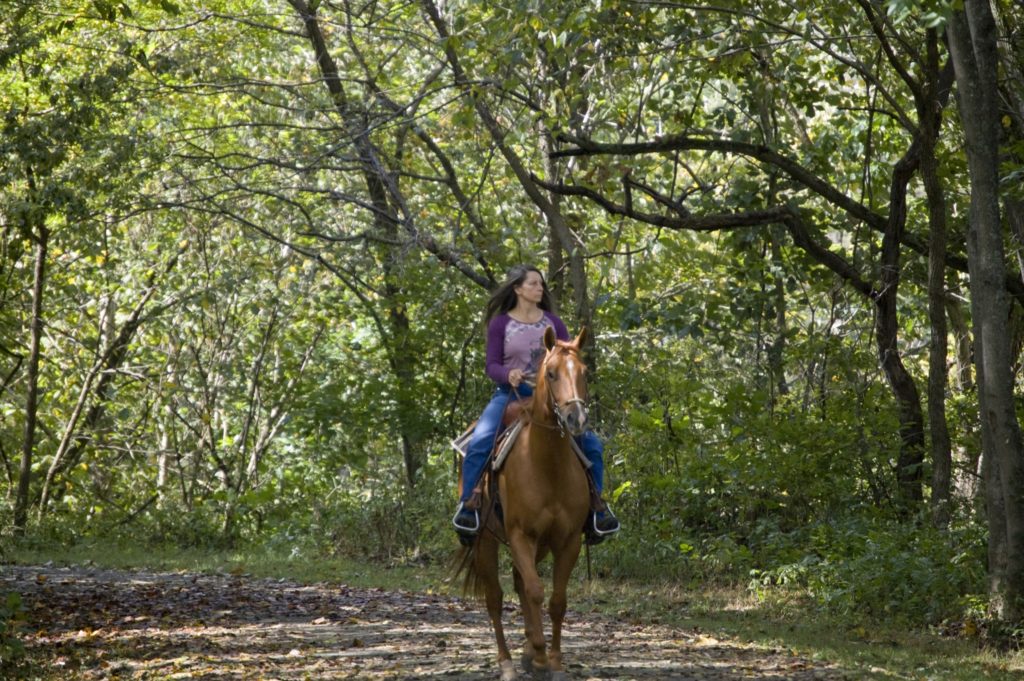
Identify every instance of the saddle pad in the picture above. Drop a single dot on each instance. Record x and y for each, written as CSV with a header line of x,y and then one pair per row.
x,y
504,444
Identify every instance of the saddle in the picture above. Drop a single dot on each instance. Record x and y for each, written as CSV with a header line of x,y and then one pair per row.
x,y
514,410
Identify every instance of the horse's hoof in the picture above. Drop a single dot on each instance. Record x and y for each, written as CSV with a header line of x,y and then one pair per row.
x,y
508,670
536,673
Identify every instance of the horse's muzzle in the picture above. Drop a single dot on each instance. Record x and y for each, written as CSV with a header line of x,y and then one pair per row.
x,y
573,416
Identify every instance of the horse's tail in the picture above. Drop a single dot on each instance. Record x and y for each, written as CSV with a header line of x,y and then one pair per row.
x,y
464,565
466,559
464,562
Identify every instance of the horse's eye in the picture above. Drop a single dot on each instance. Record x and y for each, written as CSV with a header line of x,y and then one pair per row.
x,y
552,376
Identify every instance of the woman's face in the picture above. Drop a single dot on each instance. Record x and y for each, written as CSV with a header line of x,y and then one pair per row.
x,y
532,288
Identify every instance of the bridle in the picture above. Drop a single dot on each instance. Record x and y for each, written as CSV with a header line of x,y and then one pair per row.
x,y
560,417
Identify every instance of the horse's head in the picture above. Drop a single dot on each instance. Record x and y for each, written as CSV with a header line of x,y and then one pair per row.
x,y
565,377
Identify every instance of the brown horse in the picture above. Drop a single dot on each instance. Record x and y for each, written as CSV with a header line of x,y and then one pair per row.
x,y
545,500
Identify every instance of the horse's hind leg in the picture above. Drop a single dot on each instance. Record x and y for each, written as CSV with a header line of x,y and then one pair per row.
x,y
487,570
564,562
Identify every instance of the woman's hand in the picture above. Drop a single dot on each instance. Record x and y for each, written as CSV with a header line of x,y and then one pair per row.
x,y
515,377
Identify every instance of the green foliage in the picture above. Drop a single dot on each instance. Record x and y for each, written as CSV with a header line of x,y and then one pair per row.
x,y
933,13
882,569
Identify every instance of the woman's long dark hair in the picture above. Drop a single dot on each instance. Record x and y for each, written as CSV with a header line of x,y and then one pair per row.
x,y
504,297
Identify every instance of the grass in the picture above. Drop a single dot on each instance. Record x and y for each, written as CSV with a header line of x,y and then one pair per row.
x,y
874,650
256,562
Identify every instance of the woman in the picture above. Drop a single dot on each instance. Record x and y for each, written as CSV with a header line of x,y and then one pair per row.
x,y
517,315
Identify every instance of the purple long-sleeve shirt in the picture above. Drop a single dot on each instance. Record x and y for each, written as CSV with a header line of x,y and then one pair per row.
x,y
514,345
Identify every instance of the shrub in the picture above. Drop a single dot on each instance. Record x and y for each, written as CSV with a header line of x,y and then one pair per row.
x,y
884,568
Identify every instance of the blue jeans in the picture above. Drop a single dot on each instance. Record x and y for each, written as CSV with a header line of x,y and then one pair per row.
x,y
482,442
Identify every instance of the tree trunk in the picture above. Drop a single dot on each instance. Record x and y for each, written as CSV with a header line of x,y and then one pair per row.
x,y
972,43
908,399
964,346
404,369
777,349
938,377
556,254
32,398
162,459
911,456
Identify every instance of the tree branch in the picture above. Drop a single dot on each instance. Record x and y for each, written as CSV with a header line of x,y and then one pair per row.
x,y
797,172
802,175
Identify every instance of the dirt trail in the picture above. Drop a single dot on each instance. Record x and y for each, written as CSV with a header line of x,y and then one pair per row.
x,y
102,624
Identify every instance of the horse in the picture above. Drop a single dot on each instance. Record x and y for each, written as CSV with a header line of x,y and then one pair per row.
x,y
545,499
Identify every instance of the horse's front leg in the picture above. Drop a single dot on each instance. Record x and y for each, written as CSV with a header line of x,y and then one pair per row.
x,y
564,562
527,658
487,569
531,596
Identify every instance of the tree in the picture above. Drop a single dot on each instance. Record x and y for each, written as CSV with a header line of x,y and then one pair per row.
x,y
972,39
55,175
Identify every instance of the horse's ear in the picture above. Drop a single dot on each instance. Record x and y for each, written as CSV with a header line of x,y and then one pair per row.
x,y
549,337
582,338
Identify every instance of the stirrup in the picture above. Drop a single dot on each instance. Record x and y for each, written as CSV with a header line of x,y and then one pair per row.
x,y
466,529
594,530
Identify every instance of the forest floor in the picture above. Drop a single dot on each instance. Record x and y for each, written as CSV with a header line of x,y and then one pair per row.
x,y
91,623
